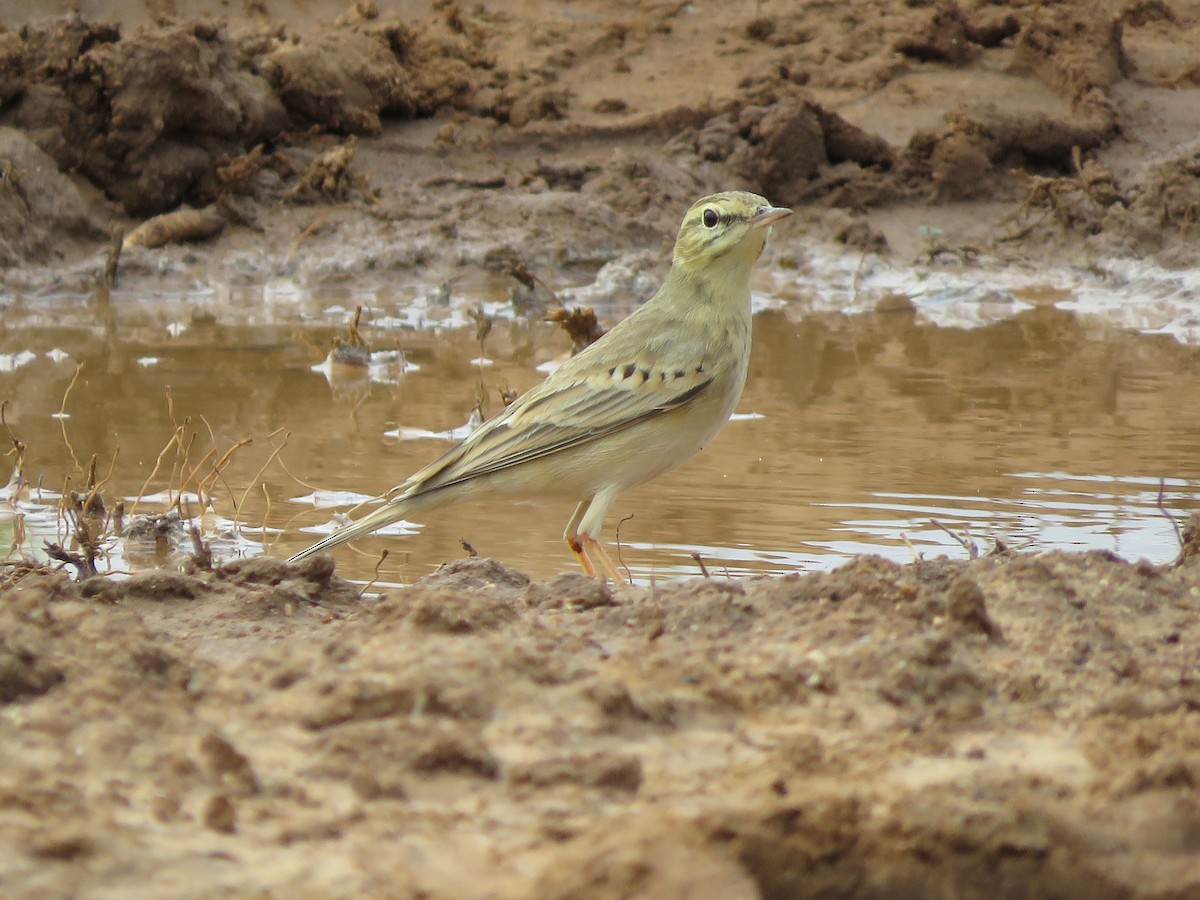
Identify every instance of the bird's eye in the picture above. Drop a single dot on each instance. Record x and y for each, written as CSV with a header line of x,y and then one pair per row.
x,y
711,218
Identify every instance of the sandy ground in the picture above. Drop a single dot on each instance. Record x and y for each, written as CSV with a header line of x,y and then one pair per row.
x,y
1013,726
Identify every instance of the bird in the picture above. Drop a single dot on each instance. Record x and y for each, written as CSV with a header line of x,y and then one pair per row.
x,y
638,402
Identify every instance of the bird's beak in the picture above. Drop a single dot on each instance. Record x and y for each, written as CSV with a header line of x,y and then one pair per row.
x,y
768,215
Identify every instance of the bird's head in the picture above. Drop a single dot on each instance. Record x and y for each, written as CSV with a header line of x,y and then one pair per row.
x,y
729,227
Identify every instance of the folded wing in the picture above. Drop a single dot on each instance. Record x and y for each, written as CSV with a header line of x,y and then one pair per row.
x,y
549,420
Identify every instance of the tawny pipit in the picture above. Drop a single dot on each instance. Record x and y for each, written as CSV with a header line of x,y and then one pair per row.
x,y
635,404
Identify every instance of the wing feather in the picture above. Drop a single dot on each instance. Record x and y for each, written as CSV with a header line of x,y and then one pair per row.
x,y
561,414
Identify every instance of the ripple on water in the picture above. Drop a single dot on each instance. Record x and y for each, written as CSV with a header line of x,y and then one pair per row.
x,y
1039,408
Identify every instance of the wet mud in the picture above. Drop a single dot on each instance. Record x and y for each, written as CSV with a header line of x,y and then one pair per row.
x,y
1009,726
1016,725
564,139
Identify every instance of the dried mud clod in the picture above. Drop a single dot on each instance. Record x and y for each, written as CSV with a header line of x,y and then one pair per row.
x,y
467,596
379,758
972,154
951,36
157,586
39,204
945,38
25,670
347,78
967,609
617,772
313,579
929,678
785,147
474,572
220,814
1077,51
1162,212
539,105
651,855
571,591
122,111
362,694
846,142
445,611
227,767
180,113
780,142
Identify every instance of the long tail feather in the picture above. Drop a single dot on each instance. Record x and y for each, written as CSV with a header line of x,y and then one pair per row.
x,y
385,515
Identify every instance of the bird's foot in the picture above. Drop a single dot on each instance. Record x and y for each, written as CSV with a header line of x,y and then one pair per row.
x,y
581,545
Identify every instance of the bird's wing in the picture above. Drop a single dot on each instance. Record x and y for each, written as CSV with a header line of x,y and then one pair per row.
x,y
559,414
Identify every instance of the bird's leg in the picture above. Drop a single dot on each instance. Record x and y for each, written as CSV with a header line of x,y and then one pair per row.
x,y
576,546
580,540
606,563
571,536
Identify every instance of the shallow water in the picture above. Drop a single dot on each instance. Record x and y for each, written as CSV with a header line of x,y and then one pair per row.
x,y
977,407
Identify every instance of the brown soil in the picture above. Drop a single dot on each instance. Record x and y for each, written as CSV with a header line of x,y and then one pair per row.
x,y
1009,727
357,143
1020,725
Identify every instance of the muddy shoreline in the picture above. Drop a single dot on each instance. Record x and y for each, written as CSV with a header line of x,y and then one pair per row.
x,y
939,728
380,146
1014,725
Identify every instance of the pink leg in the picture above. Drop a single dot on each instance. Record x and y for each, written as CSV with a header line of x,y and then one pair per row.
x,y
576,546
606,563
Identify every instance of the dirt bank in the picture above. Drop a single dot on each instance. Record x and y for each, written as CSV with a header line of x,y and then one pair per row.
x,y
1011,726
445,139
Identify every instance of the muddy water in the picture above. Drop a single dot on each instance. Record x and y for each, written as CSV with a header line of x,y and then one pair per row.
x,y
877,431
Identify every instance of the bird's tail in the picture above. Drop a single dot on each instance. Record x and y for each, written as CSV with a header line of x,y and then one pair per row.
x,y
392,511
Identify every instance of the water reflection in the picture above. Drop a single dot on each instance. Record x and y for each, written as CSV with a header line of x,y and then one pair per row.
x,y
1041,430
